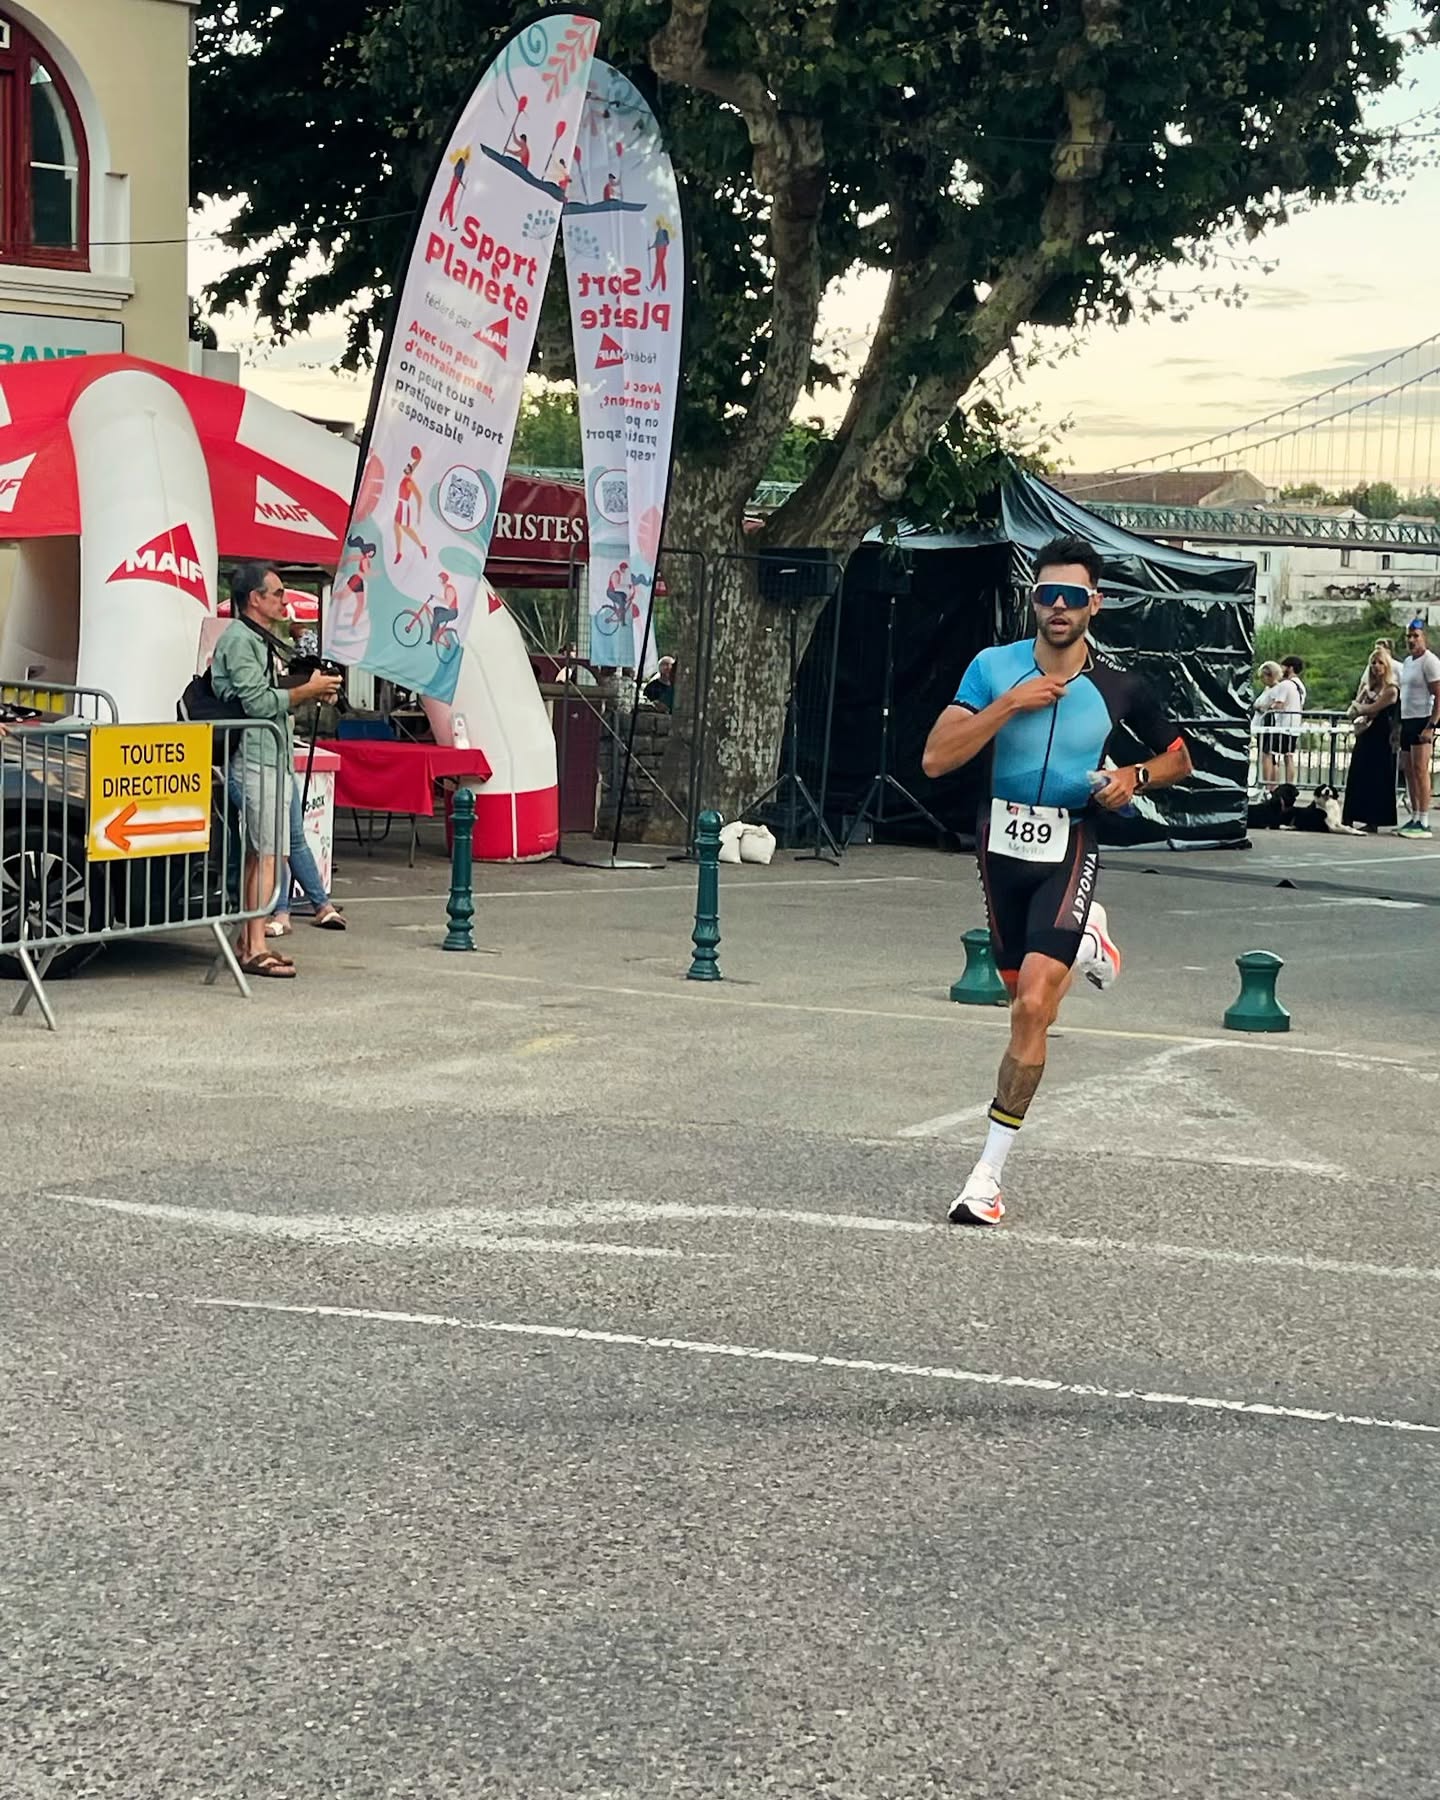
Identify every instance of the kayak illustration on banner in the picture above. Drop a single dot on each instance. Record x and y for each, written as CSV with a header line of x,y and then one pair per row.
x,y
624,268
448,389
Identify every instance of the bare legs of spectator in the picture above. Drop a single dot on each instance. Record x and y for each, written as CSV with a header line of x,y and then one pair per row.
x,y
259,885
1417,778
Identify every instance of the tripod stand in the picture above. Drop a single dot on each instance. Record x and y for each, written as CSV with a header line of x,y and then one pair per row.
x,y
791,783
873,805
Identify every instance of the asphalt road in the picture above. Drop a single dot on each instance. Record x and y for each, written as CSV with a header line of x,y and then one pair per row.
x,y
531,1374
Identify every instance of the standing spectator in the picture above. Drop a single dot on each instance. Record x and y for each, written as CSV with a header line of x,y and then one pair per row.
x,y
1370,783
1294,667
301,870
1419,711
661,691
244,671
1279,710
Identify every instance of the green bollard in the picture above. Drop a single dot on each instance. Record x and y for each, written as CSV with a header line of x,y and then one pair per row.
x,y
461,905
1257,1009
980,985
706,966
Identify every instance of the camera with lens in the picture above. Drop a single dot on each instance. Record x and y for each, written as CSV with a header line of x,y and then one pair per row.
x,y
301,668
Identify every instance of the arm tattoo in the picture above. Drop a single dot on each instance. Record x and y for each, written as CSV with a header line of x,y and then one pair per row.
x,y
1017,1085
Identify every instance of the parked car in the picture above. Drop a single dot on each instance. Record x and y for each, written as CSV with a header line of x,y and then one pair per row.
x,y
48,883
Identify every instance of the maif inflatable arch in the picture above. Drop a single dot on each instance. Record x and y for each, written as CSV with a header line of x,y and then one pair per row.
x,y
122,483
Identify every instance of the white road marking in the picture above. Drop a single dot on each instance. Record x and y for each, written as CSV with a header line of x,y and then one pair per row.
x,y
466,1226
576,1334
408,1231
952,1016
1297,869
1081,1115
612,892
1279,913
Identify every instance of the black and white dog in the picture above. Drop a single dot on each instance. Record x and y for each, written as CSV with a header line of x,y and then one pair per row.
x,y
1280,811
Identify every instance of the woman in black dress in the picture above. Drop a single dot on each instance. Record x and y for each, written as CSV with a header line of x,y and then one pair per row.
x,y
1370,785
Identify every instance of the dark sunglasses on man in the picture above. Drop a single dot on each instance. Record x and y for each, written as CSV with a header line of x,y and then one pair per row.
x,y
1072,595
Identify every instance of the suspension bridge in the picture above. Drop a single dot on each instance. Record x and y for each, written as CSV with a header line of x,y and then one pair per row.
x,y
1268,477
1376,426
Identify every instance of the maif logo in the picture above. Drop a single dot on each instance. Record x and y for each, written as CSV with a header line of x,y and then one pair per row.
x,y
496,337
12,475
612,354
169,558
273,506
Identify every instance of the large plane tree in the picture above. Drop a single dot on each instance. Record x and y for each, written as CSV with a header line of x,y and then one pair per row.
x,y
1004,163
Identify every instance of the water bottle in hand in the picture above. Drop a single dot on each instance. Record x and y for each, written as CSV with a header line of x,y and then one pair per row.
x,y
1098,779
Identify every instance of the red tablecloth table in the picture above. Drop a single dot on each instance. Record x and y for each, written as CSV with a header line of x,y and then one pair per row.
x,y
376,776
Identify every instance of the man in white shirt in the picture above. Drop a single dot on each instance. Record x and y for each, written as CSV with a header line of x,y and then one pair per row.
x,y
1419,711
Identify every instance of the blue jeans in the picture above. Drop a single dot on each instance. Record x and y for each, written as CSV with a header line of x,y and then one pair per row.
x,y
301,868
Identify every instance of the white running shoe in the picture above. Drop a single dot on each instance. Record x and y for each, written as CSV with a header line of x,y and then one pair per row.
x,y
978,1202
1099,957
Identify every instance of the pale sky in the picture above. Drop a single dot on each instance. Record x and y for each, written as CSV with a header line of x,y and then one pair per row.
x,y
1352,283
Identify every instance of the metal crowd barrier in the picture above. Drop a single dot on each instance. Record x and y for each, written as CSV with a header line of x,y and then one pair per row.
x,y
58,904
59,700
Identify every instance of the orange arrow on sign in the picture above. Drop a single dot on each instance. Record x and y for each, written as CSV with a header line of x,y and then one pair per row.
x,y
121,832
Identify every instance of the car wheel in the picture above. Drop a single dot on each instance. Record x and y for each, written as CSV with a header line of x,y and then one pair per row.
x,y
44,888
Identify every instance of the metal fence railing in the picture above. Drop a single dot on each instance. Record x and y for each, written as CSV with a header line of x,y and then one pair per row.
x,y
1321,753
73,879
59,700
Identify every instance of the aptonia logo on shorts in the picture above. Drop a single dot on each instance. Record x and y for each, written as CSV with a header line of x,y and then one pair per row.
x,y
170,559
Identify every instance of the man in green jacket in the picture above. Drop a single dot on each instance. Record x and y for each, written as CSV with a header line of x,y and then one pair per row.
x,y
244,671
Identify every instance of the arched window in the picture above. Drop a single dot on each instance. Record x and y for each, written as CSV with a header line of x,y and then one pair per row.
x,y
44,169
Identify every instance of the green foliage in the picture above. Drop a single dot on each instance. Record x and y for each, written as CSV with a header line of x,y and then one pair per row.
x,y
939,125
1375,499
1335,655
800,447
201,331
548,434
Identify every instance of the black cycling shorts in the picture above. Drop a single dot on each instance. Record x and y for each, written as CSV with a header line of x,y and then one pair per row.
x,y
1038,906
1412,732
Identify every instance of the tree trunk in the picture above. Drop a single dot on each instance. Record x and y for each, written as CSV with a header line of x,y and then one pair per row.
x,y
738,697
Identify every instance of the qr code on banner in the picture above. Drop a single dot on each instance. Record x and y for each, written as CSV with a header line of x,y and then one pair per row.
x,y
614,498
461,505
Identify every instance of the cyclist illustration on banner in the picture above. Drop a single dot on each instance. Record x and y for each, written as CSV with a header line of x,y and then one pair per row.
x,y
624,266
459,342
620,609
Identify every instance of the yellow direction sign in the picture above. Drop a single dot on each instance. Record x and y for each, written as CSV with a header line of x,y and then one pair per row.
x,y
149,790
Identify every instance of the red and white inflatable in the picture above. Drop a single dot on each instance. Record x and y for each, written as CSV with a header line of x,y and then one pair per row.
x,y
121,485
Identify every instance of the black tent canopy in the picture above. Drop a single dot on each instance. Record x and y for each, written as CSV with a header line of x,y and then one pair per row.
x,y
1184,621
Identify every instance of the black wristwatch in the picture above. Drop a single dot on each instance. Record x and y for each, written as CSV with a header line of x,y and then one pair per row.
x,y
1142,775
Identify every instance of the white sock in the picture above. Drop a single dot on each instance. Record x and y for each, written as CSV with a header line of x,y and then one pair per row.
x,y
998,1140
1423,819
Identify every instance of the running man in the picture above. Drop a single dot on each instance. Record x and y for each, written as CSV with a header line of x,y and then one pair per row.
x,y
408,501
1049,708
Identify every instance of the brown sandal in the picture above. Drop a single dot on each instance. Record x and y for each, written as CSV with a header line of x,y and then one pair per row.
x,y
268,965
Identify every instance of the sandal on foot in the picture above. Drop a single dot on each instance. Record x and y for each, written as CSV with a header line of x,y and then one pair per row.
x,y
330,918
278,928
268,965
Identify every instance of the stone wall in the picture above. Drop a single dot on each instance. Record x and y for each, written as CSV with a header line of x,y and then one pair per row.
x,y
643,802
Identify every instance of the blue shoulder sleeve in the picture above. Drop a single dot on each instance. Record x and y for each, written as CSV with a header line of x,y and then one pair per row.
x,y
976,690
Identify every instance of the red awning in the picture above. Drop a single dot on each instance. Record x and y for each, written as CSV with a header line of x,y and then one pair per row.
x,y
280,486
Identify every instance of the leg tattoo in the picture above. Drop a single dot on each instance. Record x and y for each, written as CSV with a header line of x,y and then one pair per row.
x,y
1015,1090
